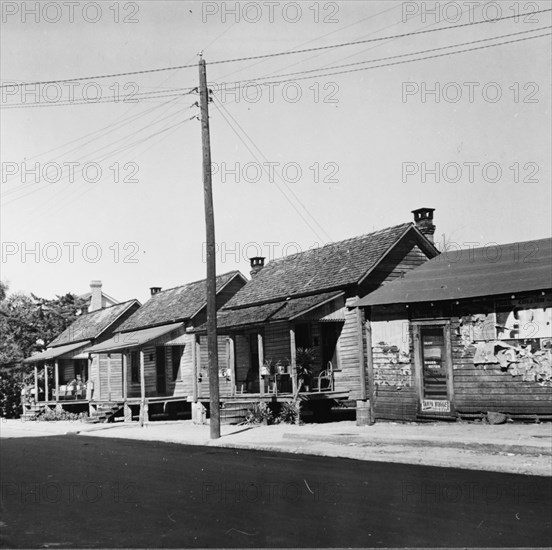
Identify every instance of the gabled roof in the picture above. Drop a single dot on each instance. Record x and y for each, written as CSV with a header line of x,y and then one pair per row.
x,y
331,267
91,325
471,273
175,304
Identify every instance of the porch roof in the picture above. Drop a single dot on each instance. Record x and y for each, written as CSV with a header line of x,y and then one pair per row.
x,y
472,273
125,340
58,351
282,310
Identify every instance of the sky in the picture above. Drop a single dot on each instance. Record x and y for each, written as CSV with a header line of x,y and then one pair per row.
x,y
102,177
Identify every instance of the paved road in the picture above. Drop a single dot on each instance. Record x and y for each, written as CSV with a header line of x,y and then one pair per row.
x,y
74,491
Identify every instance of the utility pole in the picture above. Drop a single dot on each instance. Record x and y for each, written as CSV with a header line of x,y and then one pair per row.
x,y
211,283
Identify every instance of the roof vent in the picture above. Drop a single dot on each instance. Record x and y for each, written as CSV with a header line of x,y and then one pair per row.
x,y
155,290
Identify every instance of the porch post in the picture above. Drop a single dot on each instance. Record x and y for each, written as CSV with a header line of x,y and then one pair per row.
x,y
261,362
360,354
36,383
142,388
124,361
56,378
109,376
362,408
194,368
293,365
45,381
370,368
232,362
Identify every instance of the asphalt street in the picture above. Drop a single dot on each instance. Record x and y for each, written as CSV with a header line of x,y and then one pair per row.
x,y
73,491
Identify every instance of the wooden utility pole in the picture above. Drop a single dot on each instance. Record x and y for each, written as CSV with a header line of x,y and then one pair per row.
x,y
211,284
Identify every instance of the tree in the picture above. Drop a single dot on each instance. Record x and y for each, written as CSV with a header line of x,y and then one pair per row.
x,y
27,325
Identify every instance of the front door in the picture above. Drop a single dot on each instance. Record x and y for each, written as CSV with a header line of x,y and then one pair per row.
x,y
161,370
330,335
433,368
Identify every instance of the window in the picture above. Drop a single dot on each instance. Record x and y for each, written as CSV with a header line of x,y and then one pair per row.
x,y
176,355
135,366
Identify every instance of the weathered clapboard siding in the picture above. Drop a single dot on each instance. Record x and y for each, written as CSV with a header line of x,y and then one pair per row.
x,y
403,257
277,342
478,388
395,404
243,360
347,376
102,390
66,370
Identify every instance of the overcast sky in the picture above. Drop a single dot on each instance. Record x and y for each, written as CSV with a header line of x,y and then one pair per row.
x,y
355,150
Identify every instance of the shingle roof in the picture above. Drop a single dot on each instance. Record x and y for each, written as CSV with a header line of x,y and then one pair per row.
x,y
274,311
332,266
91,325
487,271
174,304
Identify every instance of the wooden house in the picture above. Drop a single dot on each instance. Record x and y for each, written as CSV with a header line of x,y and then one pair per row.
x,y
159,354
465,334
79,378
298,306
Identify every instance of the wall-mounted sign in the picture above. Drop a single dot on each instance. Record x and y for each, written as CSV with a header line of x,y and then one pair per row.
x,y
434,405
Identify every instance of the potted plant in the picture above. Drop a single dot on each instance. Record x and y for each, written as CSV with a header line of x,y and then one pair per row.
x,y
304,359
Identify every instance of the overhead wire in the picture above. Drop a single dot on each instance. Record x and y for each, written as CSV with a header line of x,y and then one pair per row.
x,y
313,229
274,54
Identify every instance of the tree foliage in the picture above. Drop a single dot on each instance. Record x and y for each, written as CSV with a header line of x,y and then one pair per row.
x,y
27,325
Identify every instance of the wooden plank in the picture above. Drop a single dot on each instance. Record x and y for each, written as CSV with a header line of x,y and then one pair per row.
x,y
293,359
109,376
232,362
360,355
142,387
56,378
261,361
124,360
45,382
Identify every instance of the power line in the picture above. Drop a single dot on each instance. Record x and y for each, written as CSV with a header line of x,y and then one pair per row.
x,y
276,54
276,81
121,99
275,171
397,56
354,43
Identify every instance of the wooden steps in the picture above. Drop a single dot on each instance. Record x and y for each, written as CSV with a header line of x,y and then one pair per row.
x,y
104,412
235,411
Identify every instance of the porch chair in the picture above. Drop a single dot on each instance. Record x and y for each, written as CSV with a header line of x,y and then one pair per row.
x,y
325,379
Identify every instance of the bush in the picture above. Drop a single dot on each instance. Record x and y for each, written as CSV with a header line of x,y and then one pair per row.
x,y
53,415
287,413
11,384
261,413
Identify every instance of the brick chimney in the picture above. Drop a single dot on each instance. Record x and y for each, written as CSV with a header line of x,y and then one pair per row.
x,y
155,290
95,296
257,263
423,217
